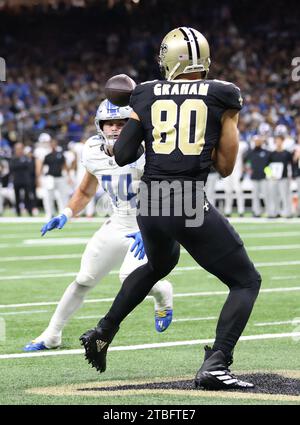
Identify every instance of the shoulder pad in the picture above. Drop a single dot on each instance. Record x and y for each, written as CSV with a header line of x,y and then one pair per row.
x,y
94,140
228,94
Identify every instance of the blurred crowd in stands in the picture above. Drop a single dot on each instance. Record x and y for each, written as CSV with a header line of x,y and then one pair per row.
x,y
58,61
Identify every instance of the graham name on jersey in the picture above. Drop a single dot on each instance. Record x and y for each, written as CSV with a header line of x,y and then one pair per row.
x,y
180,89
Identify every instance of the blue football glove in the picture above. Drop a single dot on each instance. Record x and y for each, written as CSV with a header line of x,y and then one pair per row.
x,y
138,245
57,222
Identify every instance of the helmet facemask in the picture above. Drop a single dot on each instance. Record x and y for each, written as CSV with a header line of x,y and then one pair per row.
x,y
106,113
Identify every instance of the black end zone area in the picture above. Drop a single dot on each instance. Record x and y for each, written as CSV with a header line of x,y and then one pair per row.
x,y
264,384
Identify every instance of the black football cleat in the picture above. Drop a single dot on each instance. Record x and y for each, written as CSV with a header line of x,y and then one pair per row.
x,y
215,375
96,342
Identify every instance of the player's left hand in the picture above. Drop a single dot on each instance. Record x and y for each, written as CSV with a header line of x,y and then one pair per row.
x,y
138,245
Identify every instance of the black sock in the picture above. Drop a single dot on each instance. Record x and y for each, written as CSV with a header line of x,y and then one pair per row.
x,y
133,291
233,318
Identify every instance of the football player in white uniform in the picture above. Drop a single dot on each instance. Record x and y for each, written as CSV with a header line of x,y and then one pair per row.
x,y
111,245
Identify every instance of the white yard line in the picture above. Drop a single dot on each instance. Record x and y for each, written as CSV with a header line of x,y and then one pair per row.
x,y
177,269
294,277
286,322
265,264
34,220
39,257
254,235
188,319
40,276
249,220
179,295
56,241
183,251
69,241
193,319
14,313
147,346
87,317
51,303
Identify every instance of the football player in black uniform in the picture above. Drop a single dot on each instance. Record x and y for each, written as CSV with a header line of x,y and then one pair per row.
x,y
188,124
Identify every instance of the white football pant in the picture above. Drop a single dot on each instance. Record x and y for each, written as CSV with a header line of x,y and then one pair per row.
x,y
55,189
232,184
107,250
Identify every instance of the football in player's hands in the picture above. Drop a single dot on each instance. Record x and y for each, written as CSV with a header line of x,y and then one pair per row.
x,y
118,89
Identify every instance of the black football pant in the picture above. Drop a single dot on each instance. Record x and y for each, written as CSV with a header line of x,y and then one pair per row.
x,y
28,205
216,247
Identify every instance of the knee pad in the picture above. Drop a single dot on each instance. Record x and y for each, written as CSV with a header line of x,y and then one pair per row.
x,y
122,277
85,279
81,290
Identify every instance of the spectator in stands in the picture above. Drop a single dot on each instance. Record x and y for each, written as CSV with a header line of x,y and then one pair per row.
x,y
257,160
29,153
20,171
233,183
55,181
55,84
296,172
279,188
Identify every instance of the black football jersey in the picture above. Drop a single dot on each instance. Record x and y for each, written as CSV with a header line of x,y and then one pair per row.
x,y
182,124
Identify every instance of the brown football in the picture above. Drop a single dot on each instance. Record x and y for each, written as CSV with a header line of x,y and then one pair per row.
x,y
118,89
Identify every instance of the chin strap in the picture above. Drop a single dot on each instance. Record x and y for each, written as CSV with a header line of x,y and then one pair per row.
x,y
104,148
173,71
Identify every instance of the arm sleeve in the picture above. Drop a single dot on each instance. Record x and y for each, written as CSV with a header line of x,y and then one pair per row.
x,y
127,148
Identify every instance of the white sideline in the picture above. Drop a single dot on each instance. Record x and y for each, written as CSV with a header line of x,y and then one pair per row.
x,y
147,346
179,295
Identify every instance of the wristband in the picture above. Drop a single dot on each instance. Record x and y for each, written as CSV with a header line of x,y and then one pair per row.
x,y
68,213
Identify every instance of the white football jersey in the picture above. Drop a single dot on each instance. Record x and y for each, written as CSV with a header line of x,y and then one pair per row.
x,y
121,183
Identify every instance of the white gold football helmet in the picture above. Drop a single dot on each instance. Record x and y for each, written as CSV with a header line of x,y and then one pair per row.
x,y
107,111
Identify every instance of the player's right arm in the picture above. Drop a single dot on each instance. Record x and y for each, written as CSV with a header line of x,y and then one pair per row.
x,y
83,194
225,153
228,99
128,148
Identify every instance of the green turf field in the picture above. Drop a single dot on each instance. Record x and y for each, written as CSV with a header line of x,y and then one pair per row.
x,y
35,272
